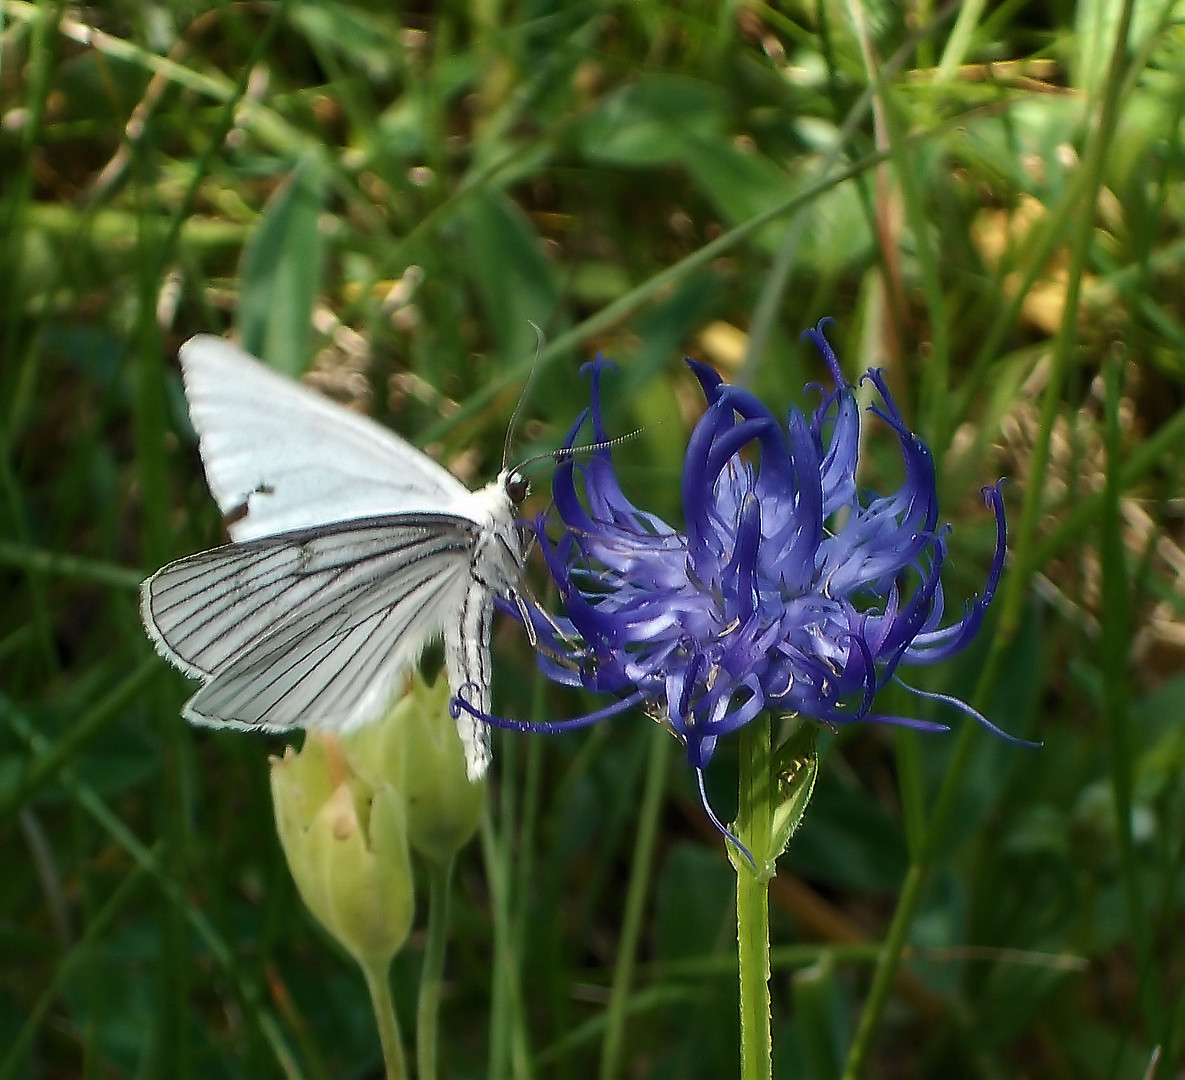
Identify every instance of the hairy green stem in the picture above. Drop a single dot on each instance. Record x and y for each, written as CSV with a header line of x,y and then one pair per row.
x,y
754,826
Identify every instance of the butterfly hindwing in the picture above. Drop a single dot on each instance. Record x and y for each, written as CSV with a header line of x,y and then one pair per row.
x,y
467,658
311,628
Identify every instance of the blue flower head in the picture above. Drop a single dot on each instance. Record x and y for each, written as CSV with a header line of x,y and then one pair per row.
x,y
789,590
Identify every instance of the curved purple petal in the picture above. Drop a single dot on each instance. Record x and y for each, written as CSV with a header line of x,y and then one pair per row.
x,y
789,589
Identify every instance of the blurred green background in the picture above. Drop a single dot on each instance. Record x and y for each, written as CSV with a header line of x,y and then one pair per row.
x,y
988,199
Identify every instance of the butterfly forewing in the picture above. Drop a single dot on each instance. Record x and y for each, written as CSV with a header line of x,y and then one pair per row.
x,y
279,456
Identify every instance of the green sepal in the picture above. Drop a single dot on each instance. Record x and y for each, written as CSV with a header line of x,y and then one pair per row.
x,y
771,810
796,767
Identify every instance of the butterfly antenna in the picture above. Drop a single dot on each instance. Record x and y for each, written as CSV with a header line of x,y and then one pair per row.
x,y
522,398
565,452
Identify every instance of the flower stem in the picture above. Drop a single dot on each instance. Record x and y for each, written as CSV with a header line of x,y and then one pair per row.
x,y
635,902
379,984
886,969
510,1052
754,820
440,876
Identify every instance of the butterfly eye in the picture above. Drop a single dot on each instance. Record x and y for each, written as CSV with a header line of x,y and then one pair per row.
x,y
517,487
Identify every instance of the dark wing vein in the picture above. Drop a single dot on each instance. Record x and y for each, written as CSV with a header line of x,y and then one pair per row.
x,y
208,609
336,666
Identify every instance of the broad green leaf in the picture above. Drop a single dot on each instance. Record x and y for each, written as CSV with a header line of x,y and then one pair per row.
x,y
820,1018
281,272
506,265
649,122
694,900
740,183
357,35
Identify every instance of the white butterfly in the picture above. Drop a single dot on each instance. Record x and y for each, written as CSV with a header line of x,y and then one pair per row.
x,y
351,551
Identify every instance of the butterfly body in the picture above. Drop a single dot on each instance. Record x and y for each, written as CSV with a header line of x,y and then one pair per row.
x,y
351,551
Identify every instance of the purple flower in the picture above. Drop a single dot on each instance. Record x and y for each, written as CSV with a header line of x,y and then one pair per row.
x,y
789,589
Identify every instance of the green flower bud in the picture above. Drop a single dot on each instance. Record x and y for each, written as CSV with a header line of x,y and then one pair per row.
x,y
417,750
346,845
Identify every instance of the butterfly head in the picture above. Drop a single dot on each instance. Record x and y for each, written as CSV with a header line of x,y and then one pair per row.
x,y
516,486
